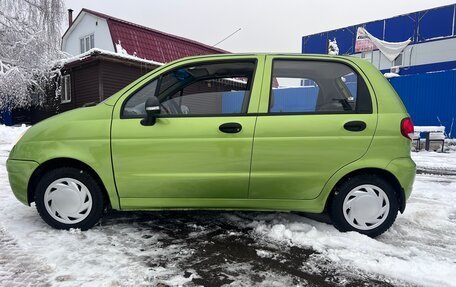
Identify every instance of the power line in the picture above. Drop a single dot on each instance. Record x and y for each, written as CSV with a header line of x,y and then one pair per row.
x,y
227,37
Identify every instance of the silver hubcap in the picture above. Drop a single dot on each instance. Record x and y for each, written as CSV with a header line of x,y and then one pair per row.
x,y
68,200
366,207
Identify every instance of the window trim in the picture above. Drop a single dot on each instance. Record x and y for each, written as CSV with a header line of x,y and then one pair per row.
x,y
84,38
65,79
159,78
355,70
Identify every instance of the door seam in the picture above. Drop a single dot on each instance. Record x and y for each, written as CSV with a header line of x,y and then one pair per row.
x,y
254,127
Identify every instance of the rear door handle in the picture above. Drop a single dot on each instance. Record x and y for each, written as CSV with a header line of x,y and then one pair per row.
x,y
230,128
355,126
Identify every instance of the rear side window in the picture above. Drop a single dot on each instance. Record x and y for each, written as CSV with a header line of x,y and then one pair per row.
x,y
317,87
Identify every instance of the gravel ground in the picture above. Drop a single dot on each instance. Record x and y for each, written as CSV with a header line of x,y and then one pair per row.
x,y
16,266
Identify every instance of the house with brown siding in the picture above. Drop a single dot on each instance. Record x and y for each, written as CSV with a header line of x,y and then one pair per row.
x,y
108,53
95,75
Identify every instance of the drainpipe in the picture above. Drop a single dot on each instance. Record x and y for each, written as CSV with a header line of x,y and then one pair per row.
x,y
410,58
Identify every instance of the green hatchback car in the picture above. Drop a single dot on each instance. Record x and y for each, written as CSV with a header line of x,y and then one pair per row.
x,y
309,133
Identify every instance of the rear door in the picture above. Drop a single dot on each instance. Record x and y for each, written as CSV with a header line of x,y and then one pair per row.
x,y
317,117
201,144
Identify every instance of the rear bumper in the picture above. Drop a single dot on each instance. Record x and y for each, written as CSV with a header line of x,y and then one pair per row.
x,y
404,169
19,173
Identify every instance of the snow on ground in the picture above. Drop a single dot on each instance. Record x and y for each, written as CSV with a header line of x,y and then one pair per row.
x,y
211,248
420,247
437,162
9,134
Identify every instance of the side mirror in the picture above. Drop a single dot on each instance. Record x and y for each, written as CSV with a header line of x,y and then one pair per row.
x,y
152,110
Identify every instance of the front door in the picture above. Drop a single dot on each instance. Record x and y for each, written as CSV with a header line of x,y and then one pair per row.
x,y
318,117
201,143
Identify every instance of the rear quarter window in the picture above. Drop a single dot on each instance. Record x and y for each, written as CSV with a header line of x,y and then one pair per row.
x,y
308,86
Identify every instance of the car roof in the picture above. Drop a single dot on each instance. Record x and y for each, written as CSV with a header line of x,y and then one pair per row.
x,y
235,55
298,55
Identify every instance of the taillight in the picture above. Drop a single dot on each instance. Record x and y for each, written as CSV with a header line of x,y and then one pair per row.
x,y
407,128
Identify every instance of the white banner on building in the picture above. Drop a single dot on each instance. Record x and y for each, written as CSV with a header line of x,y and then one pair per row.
x,y
366,42
363,42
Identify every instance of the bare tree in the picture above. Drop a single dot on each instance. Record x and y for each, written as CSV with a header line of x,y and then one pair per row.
x,y
29,43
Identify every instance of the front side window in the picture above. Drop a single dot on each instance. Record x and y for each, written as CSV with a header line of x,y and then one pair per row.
x,y
205,90
136,105
86,43
317,87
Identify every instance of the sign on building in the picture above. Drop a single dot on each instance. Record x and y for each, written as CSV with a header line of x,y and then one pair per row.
x,y
363,42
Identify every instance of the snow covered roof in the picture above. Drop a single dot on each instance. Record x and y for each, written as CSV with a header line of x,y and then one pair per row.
x,y
148,43
97,52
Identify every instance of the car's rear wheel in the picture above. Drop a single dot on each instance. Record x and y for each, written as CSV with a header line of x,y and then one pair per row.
x,y
364,203
68,197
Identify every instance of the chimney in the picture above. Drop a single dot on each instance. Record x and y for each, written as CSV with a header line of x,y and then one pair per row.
x,y
70,17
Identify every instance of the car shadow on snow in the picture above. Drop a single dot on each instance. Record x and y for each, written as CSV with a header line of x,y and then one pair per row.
x,y
216,248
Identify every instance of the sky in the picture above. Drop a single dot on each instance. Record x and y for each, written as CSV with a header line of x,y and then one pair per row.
x,y
266,26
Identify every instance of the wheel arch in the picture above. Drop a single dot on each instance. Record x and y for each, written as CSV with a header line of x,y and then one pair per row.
x,y
376,171
63,162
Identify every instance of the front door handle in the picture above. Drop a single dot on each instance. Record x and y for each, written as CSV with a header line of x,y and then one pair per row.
x,y
355,126
230,128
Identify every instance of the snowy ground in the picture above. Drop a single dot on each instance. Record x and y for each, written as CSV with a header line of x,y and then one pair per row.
x,y
237,248
436,162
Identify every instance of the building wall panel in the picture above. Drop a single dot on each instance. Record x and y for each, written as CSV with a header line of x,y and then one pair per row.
x,y
315,44
84,87
435,23
430,98
436,27
401,28
375,28
88,24
116,76
345,39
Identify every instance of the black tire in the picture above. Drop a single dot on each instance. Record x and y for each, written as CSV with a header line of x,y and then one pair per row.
x,y
335,206
83,177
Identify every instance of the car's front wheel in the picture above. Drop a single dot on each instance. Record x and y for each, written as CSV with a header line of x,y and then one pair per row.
x,y
364,203
68,197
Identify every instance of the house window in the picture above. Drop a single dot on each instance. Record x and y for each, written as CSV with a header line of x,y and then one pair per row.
x,y
66,89
399,60
87,43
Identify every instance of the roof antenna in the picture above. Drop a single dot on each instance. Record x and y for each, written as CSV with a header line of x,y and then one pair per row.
x,y
227,37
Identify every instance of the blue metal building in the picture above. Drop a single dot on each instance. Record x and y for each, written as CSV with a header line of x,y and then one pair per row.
x,y
427,82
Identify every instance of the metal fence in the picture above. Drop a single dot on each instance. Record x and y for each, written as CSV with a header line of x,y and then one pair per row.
x,y
430,98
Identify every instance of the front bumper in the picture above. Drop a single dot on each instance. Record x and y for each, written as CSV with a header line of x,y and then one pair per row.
x,y
19,173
